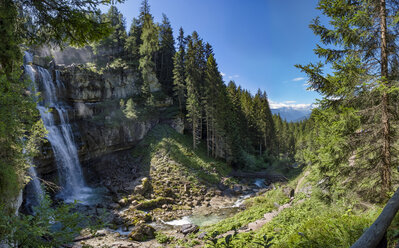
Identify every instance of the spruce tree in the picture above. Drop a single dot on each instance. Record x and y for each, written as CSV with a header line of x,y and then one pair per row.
x,y
365,47
133,43
165,56
148,48
194,65
113,46
179,84
214,102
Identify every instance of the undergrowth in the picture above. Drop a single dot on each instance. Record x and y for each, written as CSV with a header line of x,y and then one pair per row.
x,y
164,146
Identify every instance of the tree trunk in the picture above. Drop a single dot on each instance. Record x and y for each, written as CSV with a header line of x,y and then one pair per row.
x,y
373,235
385,169
208,145
194,134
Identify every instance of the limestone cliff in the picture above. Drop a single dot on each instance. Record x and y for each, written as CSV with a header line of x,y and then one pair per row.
x,y
99,125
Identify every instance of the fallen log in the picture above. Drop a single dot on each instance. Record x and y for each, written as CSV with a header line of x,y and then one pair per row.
x,y
375,233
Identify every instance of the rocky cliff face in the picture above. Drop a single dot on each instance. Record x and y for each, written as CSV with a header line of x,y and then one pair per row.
x,y
99,125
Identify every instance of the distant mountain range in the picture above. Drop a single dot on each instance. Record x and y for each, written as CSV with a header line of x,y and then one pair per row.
x,y
293,114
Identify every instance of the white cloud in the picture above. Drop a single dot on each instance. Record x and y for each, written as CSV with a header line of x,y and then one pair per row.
x,y
289,104
234,76
298,79
223,74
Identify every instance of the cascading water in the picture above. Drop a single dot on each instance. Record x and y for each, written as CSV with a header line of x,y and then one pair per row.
x,y
59,135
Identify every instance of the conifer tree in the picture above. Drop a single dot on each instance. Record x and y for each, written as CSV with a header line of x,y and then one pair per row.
x,y
179,84
133,43
113,46
148,48
214,105
165,55
194,65
362,77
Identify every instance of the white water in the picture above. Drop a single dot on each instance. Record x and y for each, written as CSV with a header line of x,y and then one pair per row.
x,y
183,221
260,183
241,200
73,186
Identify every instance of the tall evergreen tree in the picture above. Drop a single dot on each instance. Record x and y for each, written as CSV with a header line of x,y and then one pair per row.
x,y
148,49
113,46
166,54
133,43
194,64
362,78
214,106
179,84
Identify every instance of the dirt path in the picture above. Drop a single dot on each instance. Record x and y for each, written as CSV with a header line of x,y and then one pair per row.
x,y
298,185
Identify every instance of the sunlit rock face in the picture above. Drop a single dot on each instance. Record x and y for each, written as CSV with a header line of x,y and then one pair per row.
x,y
85,85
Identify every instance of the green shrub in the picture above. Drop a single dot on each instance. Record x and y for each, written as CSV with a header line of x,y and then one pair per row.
x,y
162,238
49,227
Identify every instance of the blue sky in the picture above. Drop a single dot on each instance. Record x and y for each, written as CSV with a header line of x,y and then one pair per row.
x,y
256,42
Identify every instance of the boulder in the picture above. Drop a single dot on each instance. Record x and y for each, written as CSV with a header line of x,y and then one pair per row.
x,y
142,232
144,187
189,228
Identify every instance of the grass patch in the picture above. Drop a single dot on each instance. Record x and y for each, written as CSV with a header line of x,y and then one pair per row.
x,y
166,150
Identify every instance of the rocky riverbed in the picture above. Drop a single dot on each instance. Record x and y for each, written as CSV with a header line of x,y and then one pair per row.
x,y
134,222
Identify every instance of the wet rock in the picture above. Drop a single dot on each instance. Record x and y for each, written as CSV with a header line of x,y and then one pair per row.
x,y
142,232
189,228
237,189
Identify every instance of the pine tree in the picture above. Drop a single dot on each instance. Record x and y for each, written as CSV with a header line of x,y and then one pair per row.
x,y
166,54
361,77
214,102
147,65
133,43
194,64
113,46
179,84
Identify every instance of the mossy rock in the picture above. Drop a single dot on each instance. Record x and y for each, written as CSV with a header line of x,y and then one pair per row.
x,y
142,232
154,203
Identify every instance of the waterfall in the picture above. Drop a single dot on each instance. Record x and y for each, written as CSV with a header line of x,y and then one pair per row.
x,y
73,186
